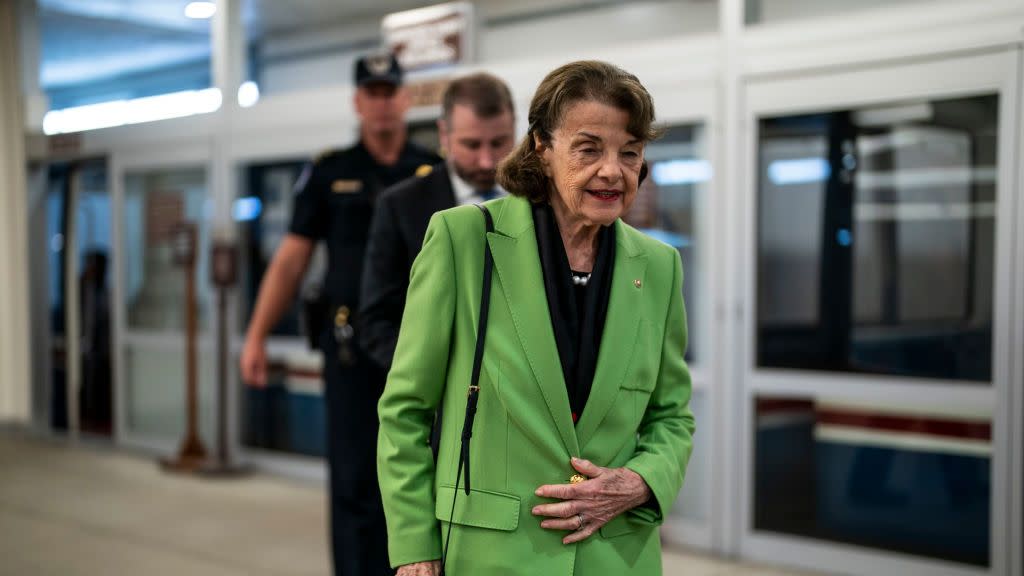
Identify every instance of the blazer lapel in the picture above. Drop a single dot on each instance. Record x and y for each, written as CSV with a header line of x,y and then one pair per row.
x,y
516,261
620,333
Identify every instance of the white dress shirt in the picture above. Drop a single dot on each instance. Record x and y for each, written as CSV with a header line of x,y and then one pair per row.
x,y
464,193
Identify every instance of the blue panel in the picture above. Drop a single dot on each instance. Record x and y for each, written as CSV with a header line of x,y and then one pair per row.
x,y
279,420
927,503
307,430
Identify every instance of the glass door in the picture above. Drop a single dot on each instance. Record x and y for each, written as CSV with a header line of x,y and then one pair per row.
x,y
70,248
878,262
155,194
286,417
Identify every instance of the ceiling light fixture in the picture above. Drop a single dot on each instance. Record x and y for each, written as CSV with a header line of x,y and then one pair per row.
x,y
136,111
248,94
200,10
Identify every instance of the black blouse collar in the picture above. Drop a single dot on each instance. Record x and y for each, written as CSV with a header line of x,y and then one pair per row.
x,y
577,313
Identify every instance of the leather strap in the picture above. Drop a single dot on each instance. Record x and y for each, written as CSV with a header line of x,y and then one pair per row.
x,y
474,384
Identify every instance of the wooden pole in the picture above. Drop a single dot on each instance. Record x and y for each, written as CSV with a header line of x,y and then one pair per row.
x,y
192,454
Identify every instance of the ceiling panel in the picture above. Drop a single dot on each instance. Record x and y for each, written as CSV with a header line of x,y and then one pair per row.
x,y
91,40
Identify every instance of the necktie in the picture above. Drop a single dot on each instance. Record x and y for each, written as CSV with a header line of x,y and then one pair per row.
x,y
488,194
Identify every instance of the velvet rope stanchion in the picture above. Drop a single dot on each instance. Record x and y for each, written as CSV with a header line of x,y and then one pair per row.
x,y
192,454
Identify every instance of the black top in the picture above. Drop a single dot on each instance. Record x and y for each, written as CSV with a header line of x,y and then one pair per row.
x,y
577,312
334,202
399,224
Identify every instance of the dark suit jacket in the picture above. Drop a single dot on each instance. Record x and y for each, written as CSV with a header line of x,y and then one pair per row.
x,y
396,235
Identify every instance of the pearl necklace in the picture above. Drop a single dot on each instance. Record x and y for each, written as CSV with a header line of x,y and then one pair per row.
x,y
580,280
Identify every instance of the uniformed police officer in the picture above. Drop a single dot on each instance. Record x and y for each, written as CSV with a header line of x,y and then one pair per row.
x,y
334,202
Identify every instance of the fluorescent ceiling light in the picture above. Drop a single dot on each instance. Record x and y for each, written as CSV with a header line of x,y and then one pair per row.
x,y
799,171
200,10
676,172
248,94
137,111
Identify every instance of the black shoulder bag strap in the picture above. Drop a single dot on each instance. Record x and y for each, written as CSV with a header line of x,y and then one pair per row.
x,y
474,384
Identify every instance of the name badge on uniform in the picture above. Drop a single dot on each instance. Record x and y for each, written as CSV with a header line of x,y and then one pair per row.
x,y
346,186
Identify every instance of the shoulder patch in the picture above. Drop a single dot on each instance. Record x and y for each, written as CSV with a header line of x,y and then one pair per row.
x,y
424,170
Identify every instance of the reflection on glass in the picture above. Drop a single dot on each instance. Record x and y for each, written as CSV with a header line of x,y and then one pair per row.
x,y
289,414
154,203
262,211
760,11
913,481
876,232
666,207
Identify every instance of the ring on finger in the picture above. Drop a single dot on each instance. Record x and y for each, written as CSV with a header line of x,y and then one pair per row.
x,y
580,518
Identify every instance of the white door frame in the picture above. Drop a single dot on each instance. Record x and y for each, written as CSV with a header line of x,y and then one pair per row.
x,y
693,104
1016,400
973,73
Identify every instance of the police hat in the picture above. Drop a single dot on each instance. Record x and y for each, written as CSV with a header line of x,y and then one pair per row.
x,y
378,67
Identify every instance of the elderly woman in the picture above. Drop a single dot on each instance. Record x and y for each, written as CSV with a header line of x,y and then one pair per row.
x,y
582,431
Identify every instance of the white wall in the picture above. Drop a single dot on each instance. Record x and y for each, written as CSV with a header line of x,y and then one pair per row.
x,y
330,52
778,10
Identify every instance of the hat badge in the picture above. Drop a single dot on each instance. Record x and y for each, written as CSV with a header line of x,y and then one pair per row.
x,y
378,64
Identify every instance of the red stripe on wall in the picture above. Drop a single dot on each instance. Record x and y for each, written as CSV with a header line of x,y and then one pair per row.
x,y
973,430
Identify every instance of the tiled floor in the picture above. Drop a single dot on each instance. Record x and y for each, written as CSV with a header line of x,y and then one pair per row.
x,y
85,511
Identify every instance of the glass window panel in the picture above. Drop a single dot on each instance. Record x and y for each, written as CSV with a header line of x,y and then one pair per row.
x,y
288,415
695,497
155,396
263,212
914,481
155,201
668,204
876,238
760,11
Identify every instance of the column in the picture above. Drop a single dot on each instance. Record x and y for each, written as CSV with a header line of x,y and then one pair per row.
x,y
726,508
15,381
228,51
36,103
229,62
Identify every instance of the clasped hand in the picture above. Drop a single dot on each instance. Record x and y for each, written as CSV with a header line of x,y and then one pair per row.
x,y
588,505
584,508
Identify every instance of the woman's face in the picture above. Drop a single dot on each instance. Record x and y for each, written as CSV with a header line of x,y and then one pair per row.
x,y
593,164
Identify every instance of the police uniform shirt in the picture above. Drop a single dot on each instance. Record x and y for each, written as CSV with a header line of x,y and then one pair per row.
x,y
334,202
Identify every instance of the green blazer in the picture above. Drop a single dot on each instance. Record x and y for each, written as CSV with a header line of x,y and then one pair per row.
x,y
637,414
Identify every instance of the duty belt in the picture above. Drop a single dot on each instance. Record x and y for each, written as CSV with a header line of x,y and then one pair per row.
x,y
344,336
